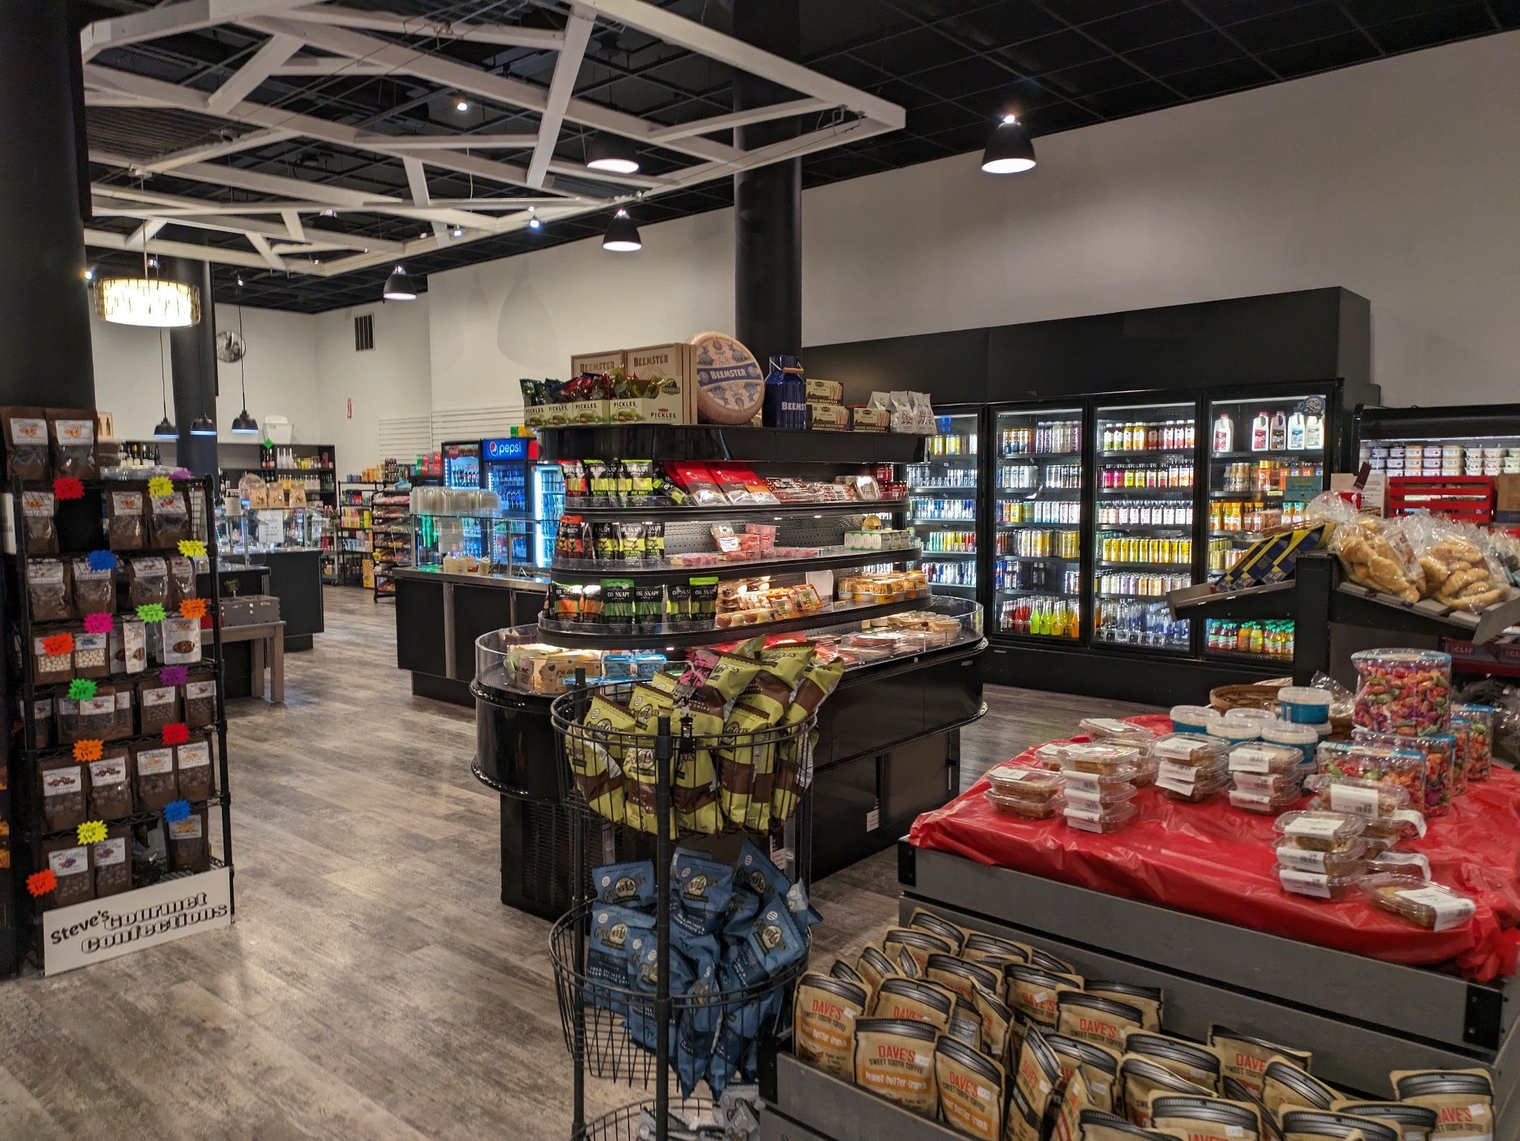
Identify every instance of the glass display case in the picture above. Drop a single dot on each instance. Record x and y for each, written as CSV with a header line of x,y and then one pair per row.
x,y
1143,526
461,463
942,502
483,544
1039,480
273,529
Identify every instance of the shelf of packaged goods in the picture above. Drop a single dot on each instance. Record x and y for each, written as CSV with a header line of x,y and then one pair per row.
x,y
1144,493
1038,637
931,556
1038,526
594,571
1144,526
1311,454
745,444
1109,564
667,512
1038,558
964,526
1033,456
924,489
1244,656
1246,496
1116,644
1143,452
579,636
1045,592
971,586
1031,492
1161,598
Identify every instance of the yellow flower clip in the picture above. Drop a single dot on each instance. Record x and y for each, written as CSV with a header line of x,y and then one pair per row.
x,y
192,548
158,487
92,831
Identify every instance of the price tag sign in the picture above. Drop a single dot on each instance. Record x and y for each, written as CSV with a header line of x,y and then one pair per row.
x,y
1302,488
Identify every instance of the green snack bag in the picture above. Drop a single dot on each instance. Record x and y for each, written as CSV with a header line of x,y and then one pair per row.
x,y
617,605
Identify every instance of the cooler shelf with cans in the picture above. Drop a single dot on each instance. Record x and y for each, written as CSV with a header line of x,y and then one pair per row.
x,y
943,493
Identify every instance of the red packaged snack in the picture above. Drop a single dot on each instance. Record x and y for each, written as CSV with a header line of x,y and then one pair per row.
x,y
742,485
699,483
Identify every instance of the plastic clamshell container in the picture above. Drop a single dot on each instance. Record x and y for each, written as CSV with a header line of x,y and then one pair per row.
x,y
1049,756
1235,732
1114,731
1255,718
1320,831
1095,798
1100,819
1028,808
1190,749
1347,863
1274,784
1373,799
1195,793
1423,903
1028,783
1261,757
1100,758
1303,704
1317,884
1148,767
1096,783
1262,802
1193,718
1397,863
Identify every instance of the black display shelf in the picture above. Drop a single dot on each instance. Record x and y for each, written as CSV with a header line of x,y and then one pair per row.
x,y
1144,526
1142,453
1109,564
595,571
718,443
1039,558
1131,597
1037,526
922,492
1245,496
669,512
1144,492
937,586
1040,456
946,524
1044,591
1253,659
931,555
593,638
1314,455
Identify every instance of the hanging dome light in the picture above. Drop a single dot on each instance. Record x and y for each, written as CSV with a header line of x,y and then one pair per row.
x,y
203,425
622,235
612,153
147,301
165,430
1010,149
245,424
399,287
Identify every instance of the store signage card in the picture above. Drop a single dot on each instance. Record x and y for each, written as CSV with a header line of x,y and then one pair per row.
x,y
101,929
1302,488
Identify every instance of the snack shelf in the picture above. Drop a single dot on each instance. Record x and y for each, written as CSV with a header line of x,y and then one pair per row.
x,y
146,816
583,636
596,570
669,512
714,442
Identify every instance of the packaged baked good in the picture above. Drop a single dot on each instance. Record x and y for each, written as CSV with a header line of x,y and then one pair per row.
x,y
1101,820
26,441
1190,749
1096,792
1100,758
47,590
63,793
1039,808
126,525
37,517
1376,554
1319,885
1399,863
1384,807
824,1013
1346,863
1463,1101
1402,691
1114,731
1320,831
1265,758
73,435
1424,903
1189,784
1268,784
1263,803
970,1089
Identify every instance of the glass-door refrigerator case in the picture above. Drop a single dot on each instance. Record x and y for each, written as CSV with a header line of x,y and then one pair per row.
x,y
505,466
1038,480
461,469
1269,454
942,501
548,505
1144,476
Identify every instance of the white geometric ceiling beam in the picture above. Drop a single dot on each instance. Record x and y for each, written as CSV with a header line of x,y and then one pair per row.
x,y
248,142
518,221
237,224
330,65
116,99
259,115
505,34
105,240
293,224
261,243
575,170
446,142
741,119
681,32
171,19
496,88
567,68
416,180
139,237
275,51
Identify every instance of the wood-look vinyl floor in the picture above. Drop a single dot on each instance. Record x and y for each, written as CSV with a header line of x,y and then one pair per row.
x,y
373,986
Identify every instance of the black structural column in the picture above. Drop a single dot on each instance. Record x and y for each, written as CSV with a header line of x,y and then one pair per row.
x,y
192,363
767,200
44,304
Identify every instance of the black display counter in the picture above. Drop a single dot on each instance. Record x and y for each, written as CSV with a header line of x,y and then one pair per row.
x,y
295,578
888,749
439,616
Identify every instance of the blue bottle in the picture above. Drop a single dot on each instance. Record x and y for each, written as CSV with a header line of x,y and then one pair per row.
x,y
785,394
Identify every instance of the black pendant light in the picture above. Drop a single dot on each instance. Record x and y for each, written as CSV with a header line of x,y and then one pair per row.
x,y
399,287
203,425
166,429
1010,150
243,424
622,235
612,153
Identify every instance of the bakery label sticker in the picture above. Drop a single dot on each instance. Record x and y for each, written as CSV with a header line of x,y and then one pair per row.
x,y
101,929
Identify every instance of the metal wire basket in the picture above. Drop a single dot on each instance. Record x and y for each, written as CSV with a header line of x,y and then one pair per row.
x,y
720,781
636,1122
611,1027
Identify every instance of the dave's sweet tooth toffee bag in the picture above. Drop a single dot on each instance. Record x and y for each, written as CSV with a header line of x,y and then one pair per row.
x,y
1412,1122
965,1024
1094,1019
1145,1081
69,860
126,524
1098,1125
189,843
843,970
1099,1066
928,921
63,793
153,769
1198,1064
1245,1058
1231,1090
1048,962
1068,1117
919,944
112,860
894,1058
997,1025
970,1090
1287,1086
37,508
111,784
1145,999
875,968
1206,1118
915,1000
26,441
1033,993
73,434
1032,1090
824,1013
1323,1125
1463,1101
960,976
990,949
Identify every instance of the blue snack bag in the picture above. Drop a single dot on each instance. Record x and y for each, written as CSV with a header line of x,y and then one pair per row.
x,y
775,940
740,967
703,887
628,885
742,909
698,946
607,953
804,914
644,971
697,1027
755,871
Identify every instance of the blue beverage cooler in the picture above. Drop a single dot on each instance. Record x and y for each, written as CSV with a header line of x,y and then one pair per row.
x,y
532,496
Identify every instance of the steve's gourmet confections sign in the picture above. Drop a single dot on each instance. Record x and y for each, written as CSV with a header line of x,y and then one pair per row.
x,y
101,929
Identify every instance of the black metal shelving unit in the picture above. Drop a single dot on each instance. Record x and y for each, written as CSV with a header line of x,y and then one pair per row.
x,y
79,524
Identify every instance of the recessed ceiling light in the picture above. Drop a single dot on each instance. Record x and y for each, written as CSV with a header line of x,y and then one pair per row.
x,y
462,105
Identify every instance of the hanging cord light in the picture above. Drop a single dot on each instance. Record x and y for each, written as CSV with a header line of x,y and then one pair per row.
x,y
166,429
622,235
1010,150
147,300
243,424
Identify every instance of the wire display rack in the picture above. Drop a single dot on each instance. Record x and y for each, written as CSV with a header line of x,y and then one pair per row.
x,y
638,1035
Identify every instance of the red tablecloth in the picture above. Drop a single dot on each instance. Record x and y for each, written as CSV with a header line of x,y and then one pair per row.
x,y
1215,860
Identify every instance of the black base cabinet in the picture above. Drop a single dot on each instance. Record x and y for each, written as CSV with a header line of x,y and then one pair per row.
x,y
439,617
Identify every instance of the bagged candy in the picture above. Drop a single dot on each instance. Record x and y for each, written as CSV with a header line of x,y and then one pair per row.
x,y
1403,691
824,1011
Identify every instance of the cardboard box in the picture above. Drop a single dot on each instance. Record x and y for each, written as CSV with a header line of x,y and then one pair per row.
x,y
535,415
828,417
1507,502
866,419
579,412
596,362
676,361
824,391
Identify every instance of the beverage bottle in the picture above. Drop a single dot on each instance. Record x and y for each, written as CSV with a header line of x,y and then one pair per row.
x,y
1314,433
1296,432
1279,433
1224,434
1261,432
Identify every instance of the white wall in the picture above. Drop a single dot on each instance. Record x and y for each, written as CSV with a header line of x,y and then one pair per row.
x,y
355,390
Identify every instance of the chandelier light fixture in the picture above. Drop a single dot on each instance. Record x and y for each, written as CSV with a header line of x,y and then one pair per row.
x,y
147,301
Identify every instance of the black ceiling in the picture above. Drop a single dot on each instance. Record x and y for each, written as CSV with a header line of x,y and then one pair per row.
x,y
953,64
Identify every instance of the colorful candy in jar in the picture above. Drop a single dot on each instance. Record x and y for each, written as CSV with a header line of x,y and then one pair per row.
x,y
1403,691
1403,762
1480,739
1461,729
